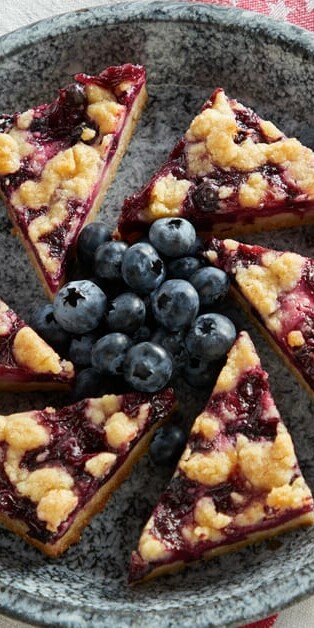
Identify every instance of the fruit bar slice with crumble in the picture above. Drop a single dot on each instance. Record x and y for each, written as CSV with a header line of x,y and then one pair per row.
x,y
237,482
59,467
57,161
231,172
277,289
27,362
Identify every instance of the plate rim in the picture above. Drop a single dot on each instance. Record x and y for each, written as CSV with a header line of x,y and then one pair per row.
x,y
47,613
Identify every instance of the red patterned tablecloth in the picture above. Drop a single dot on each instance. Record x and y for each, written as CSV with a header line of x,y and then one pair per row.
x,y
300,12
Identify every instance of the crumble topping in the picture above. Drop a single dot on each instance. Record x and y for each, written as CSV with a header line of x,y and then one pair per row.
x,y
251,515
121,429
290,495
241,359
295,338
267,464
9,154
99,409
207,522
150,547
100,464
252,192
206,424
211,141
55,507
22,432
24,119
70,173
209,468
95,93
263,285
107,114
32,352
167,196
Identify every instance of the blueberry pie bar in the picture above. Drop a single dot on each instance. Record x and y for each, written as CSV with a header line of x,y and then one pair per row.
x,y
277,289
237,482
57,161
231,172
27,362
59,467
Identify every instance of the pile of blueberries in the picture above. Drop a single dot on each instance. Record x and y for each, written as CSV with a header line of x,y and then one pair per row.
x,y
142,314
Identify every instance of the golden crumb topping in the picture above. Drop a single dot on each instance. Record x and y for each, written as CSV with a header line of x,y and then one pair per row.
x,y
23,432
120,429
167,196
212,142
206,424
208,468
95,93
9,154
289,495
107,114
295,338
100,464
263,285
207,524
252,192
99,409
24,119
242,357
56,506
32,352
267,464
251,515
150,547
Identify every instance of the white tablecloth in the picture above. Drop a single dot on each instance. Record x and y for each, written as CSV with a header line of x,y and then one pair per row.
x,y
18,13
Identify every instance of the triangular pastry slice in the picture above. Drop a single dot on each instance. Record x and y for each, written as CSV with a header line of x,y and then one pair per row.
x,y
232,172
58,159
60,467
27,362
277,289
237,482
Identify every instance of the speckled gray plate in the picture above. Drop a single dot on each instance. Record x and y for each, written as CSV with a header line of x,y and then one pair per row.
x,y
188,49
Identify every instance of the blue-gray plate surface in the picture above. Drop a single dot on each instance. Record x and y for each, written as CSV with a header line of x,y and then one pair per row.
x,y
188,49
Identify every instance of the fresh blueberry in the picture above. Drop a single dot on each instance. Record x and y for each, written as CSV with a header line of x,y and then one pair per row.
x,y
210,337
141,334
183,267
142,268
109,352
200,373
173,237
147,367
44,322
197,247
125,313
167,445
80,350
79,306
108,259
87,384
74,95
90,238
211,285
174,343
205,196
175,304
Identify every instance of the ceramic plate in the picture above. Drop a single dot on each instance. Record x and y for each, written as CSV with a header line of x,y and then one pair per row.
x,y
188,49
